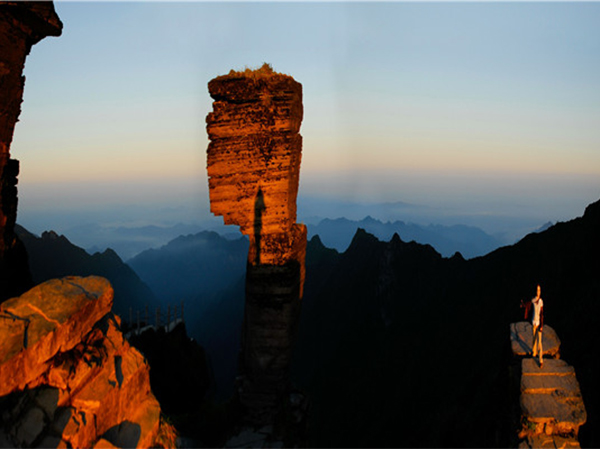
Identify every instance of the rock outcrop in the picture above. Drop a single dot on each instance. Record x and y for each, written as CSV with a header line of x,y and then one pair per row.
x,y
551,405
521,340
22,24
67,376
253,163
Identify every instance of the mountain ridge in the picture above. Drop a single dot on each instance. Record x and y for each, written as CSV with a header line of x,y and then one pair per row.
x,y
470,241
54,256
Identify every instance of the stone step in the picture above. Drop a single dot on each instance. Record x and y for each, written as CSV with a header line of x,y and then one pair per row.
x,y
521,340
547,384
551,401
549,442
567,412
552,367
552,408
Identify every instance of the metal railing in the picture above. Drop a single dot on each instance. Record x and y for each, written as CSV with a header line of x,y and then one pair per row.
x,y
141,321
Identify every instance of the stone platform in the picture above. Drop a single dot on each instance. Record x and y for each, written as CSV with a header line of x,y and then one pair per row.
x,y
552,408
521,340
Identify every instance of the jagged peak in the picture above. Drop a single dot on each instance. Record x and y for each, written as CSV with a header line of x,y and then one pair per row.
x,y
592,212
51,235
369,220
316,241
109,253
457,256
361,237
396,239
335,220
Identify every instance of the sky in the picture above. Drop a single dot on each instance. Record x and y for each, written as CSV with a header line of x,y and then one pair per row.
x,y
472,109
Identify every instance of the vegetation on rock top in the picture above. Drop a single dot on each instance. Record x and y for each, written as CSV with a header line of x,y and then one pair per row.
x,y
264,71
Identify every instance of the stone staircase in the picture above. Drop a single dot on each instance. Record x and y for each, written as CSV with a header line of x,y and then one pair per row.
x,y
551,404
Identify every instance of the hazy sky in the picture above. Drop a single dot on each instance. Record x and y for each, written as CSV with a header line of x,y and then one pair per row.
x,y
485,106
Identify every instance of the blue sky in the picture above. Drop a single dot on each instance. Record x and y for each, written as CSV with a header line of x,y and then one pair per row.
x,y
488,108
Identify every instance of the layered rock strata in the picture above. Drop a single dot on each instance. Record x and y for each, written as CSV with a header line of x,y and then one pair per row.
x,y
253,163
67,376
22,24
551,405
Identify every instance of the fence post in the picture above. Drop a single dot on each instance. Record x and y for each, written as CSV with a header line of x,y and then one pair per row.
x,y
168,317
157,317
147,316
130,318
138,322
182,310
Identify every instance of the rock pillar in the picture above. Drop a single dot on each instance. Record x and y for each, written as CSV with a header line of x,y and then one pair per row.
x,y
22,24
253,162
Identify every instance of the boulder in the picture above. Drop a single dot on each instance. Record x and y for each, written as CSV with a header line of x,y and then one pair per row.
x,y
50,318
521,340
68,376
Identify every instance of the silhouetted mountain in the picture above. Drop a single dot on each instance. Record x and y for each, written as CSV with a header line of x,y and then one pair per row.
x,y
207,272
53,256
192,267
179,373
468,240
125,241
399,346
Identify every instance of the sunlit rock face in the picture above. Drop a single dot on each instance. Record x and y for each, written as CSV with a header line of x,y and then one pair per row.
x,y
67,376
255,150
22,24
253,163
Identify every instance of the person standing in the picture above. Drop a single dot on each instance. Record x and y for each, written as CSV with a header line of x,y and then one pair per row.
x,y
537,323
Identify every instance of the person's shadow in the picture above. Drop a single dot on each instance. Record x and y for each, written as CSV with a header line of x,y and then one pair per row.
x,y
259,208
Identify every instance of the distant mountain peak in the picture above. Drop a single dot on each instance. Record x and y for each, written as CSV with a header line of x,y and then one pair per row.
x,y
370,220
457,256
360,238
470,241
50,235
316,241
110,254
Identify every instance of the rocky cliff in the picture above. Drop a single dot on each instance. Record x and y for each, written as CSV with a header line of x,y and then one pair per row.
x,y
67,376
22,24
253,163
